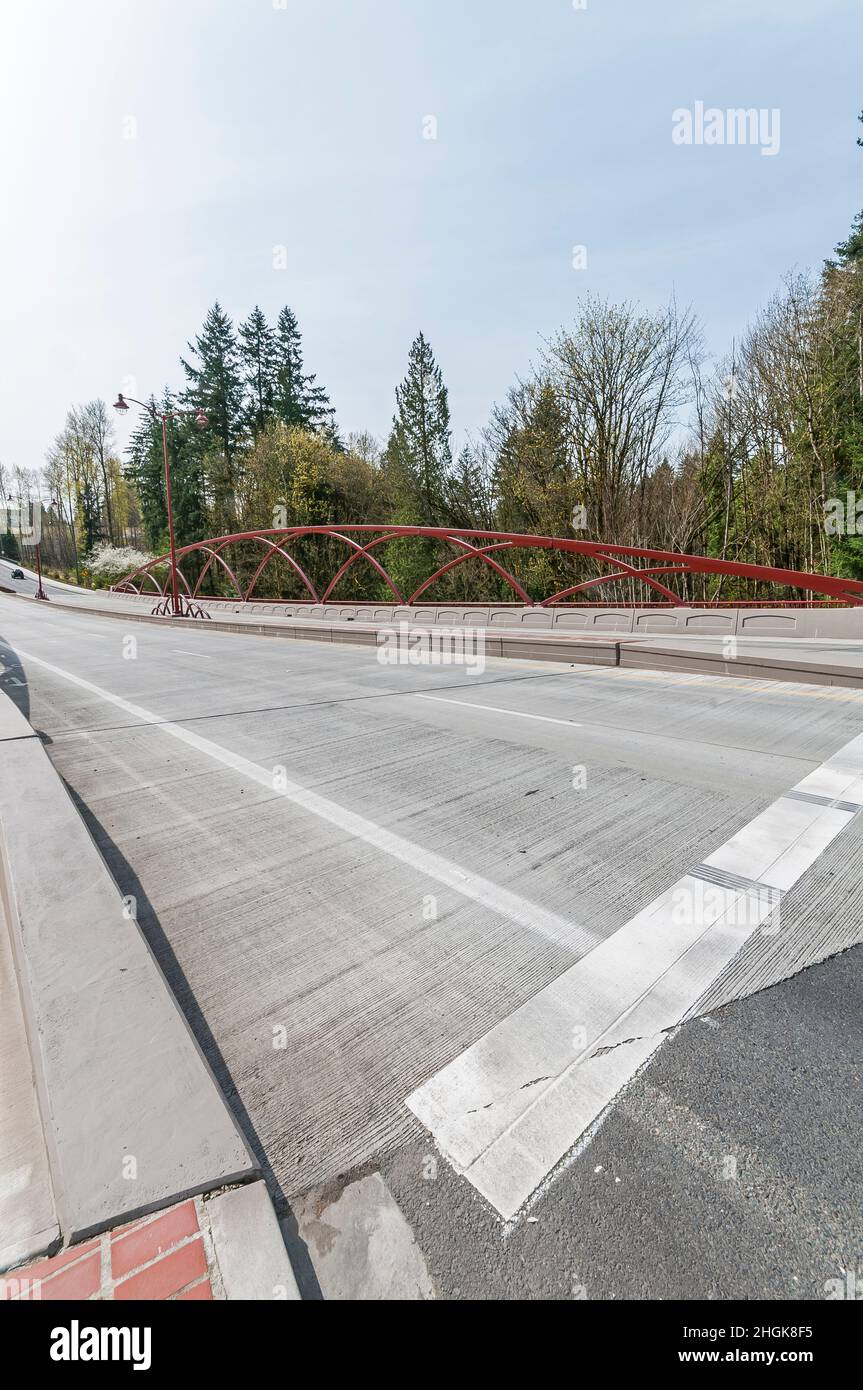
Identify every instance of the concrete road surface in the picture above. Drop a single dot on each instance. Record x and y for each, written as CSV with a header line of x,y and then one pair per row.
x,y
495,895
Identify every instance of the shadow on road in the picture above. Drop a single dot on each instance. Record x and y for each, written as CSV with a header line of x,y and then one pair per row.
x,y
13,680
130,885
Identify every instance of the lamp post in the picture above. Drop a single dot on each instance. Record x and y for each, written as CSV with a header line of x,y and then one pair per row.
x,y
179,607
33,527
40,591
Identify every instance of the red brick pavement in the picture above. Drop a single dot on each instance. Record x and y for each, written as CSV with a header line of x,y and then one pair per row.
x,y
163,1257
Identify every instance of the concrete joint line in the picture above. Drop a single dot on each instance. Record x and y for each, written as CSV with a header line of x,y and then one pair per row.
x,y
495,709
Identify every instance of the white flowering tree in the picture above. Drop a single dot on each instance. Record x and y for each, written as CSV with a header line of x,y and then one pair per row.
x,y
107,564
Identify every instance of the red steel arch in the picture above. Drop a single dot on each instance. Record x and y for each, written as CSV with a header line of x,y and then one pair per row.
x,y
623,562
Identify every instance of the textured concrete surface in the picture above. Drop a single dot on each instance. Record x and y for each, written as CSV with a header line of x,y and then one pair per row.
x,y
249,1247
326,980
135,1119
360,1245
28,1221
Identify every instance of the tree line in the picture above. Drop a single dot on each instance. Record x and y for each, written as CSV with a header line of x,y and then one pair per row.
x,y
621,431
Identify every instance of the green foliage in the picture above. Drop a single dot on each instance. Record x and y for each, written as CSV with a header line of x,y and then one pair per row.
x,y
259,356
9,547
145,470
298,400
216,387
419,453
418,464
89,517
616,436
537,485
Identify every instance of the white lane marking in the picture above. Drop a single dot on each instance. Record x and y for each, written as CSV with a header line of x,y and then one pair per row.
x,y
178,651
511,1107
463,881
494,709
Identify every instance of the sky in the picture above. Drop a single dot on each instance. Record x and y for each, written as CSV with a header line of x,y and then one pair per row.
x,y
157,155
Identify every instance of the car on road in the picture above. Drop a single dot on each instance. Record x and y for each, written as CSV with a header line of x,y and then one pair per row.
x,y
17,574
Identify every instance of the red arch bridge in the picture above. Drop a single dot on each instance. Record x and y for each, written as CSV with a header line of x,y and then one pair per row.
x,y
365,545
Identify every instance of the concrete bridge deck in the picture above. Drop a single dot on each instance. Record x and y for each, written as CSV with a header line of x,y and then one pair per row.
x,y
353,874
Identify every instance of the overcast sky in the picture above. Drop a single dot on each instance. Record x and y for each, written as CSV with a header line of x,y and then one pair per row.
x,y
155,152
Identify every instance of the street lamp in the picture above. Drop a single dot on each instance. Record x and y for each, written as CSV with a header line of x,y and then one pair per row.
x,y
179,606
33,527
40,591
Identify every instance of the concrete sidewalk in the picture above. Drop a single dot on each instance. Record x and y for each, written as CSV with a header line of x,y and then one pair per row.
x,y
28,1220
108,1109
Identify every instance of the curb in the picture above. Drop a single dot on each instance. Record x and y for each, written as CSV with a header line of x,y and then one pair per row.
x,y
601,650
131,1115
589,651
634,657
249,1247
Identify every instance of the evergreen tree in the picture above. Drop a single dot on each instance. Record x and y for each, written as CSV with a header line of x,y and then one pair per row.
x,y
469,502
419,452
850,251
187,446
536,483
418,465
261,366
89,517
842,284
146,471
299,401
9,545
216,387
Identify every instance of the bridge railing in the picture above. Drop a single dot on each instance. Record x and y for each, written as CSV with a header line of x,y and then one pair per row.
x,y
365,546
